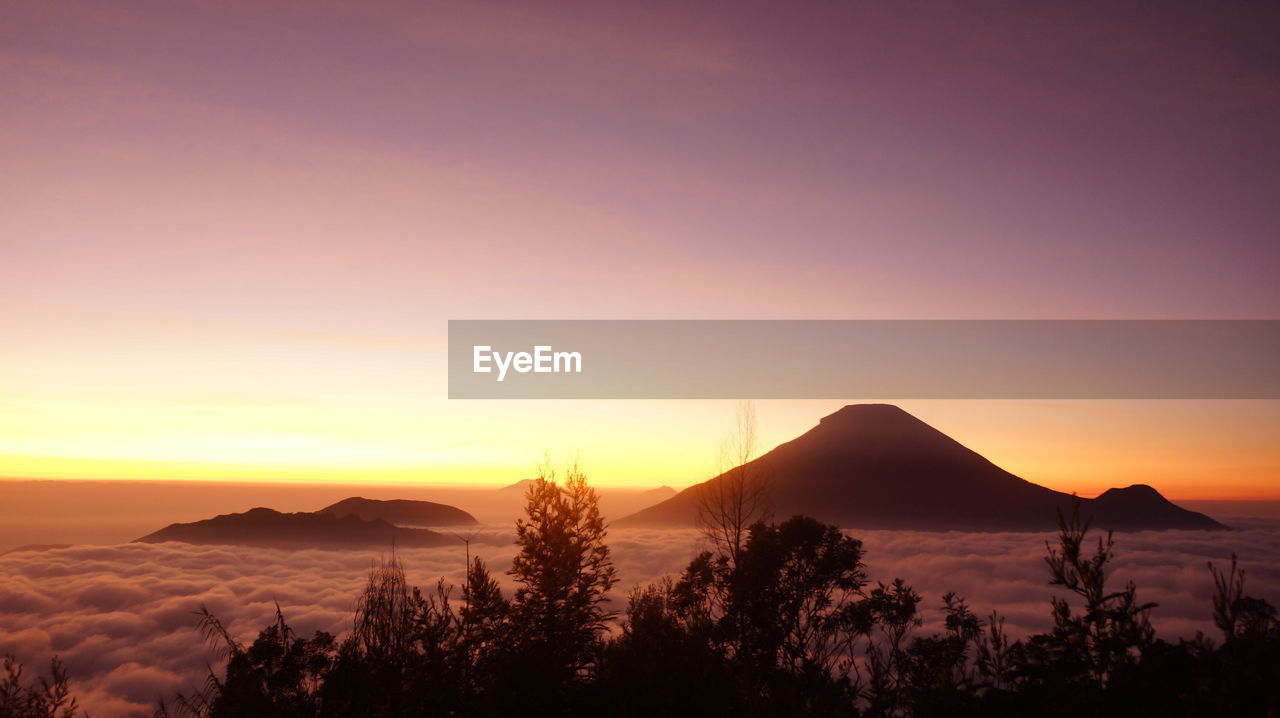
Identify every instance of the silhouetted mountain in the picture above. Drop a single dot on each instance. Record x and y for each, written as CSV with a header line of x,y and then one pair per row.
x,y
876,466
402,512
1139,507
662,492
522,485
267,527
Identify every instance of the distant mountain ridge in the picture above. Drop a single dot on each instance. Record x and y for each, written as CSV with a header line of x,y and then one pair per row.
x,y
876,466
273,529
402,512
659,493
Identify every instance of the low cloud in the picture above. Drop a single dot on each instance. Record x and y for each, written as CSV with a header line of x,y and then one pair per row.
x,y
122,617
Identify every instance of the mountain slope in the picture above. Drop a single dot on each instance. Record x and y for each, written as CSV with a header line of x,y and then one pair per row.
x,y
518,487
876,466
402,512
270,528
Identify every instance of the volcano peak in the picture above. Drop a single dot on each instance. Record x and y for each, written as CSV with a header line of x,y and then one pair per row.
x,y
877,466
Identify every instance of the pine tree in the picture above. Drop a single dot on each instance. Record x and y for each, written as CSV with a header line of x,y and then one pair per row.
x,y
564,572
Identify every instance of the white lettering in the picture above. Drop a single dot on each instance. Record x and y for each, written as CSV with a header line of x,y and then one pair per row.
x,y
502,365
542,361
575,357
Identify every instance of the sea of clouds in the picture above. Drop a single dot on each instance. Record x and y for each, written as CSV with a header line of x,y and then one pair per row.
x,y
122,617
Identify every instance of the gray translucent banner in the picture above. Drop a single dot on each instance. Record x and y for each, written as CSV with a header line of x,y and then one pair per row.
x,y
765,359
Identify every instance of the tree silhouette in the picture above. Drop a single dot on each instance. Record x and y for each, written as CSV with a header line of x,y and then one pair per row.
x,y
741,495
664,660
486,629
787,593
790,627
1113,627
763,634
884,619
564,571
279,674
43,697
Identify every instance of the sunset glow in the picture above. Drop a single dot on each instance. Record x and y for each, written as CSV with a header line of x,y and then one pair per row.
x,y
238,262
1189,449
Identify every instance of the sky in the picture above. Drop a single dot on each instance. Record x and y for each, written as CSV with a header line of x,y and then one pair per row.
x,y
233,232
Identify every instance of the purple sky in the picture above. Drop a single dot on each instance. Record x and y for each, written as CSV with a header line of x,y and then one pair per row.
x,y
1092,159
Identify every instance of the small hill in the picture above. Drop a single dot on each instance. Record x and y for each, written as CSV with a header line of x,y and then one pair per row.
x,y
876,466
270,528
520,486
662,492
401,512
1140,507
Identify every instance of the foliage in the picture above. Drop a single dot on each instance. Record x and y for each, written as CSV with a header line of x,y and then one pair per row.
x,y
1113,627
762,633
563,571
43,697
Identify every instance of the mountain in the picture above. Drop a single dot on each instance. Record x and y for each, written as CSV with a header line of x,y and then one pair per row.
x,y
876,466
520,486
401,512
662,492
1140,507
267,527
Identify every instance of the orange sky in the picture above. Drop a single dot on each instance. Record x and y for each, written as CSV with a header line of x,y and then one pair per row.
x,y
233,232
1187,449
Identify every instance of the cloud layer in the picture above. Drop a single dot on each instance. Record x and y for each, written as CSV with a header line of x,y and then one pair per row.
x,y
122,616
